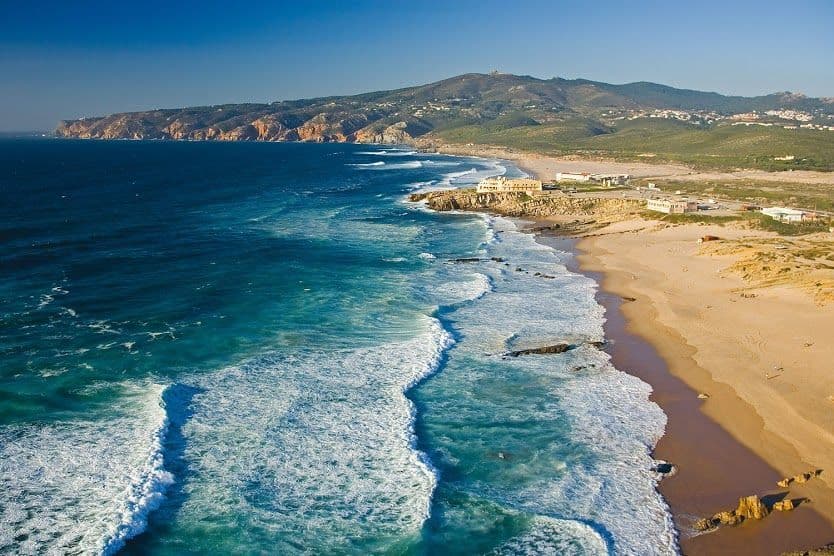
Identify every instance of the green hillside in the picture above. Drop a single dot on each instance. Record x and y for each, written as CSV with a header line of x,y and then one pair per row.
x,y
558,116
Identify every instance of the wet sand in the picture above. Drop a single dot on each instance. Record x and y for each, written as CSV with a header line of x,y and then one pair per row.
x,y
713,469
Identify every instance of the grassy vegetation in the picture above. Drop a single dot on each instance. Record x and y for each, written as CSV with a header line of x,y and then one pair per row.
x,y
764,222
754,219
765,193
691,218
586,188
716,147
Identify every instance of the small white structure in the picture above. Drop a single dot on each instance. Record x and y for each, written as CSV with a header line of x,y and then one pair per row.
x,y
783,214
572,176
671,207
501,184
609,180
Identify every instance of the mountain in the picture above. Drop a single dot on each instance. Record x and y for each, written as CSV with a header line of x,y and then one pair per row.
x,y
471,108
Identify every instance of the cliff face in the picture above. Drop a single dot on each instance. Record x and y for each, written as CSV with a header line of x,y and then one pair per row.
x,y
320,128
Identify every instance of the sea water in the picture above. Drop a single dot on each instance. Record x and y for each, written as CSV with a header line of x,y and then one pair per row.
x,y
240,348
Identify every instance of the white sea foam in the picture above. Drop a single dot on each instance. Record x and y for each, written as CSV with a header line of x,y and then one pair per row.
x,y
388,153
609,411
83,487
295,444
144,494
103,327
421,186
367,164
450,178
462,287
426,256
410,165
45,300
554,537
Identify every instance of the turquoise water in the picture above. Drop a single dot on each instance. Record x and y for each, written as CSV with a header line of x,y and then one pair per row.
x,y
263,348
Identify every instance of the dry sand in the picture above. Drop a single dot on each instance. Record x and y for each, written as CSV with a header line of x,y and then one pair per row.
x,y
765,361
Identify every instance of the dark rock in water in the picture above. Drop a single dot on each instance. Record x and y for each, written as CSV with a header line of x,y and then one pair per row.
x,y
664,468
466,260
544,350
598,345
497,259
519,269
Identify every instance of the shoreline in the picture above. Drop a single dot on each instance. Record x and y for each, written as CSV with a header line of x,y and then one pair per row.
x,y
722,447
713,469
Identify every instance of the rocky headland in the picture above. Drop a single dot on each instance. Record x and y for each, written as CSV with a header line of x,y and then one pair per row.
x,y
530,206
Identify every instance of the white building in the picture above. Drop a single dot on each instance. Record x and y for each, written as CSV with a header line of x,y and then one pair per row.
x,y
610,179
783,214
501,184
671,207
584,177
572,176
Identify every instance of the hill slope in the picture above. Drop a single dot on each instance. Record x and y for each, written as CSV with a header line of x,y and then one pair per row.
x,y
554,115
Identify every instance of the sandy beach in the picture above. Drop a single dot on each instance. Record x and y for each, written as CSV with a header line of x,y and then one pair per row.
x,y
545,167
742,367
764,363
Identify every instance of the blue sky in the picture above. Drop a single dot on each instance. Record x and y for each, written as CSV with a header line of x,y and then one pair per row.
x,y
71,59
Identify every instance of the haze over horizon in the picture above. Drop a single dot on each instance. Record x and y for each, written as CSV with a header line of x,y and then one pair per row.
x,y
94,58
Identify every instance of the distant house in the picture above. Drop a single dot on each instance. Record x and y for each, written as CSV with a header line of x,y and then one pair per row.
x,y
783,214
571,176
671,207
609,180
501,184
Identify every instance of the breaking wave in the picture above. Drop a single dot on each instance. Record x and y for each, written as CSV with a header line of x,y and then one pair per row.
x,y
84,486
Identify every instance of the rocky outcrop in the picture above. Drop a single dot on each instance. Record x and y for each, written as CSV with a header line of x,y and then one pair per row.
x,y
556,348
522,204
551,349
801,478
271,128
322,127
749,507
393,134
785,505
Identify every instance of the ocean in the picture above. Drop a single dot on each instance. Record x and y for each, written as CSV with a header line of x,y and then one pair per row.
x,y
248,348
